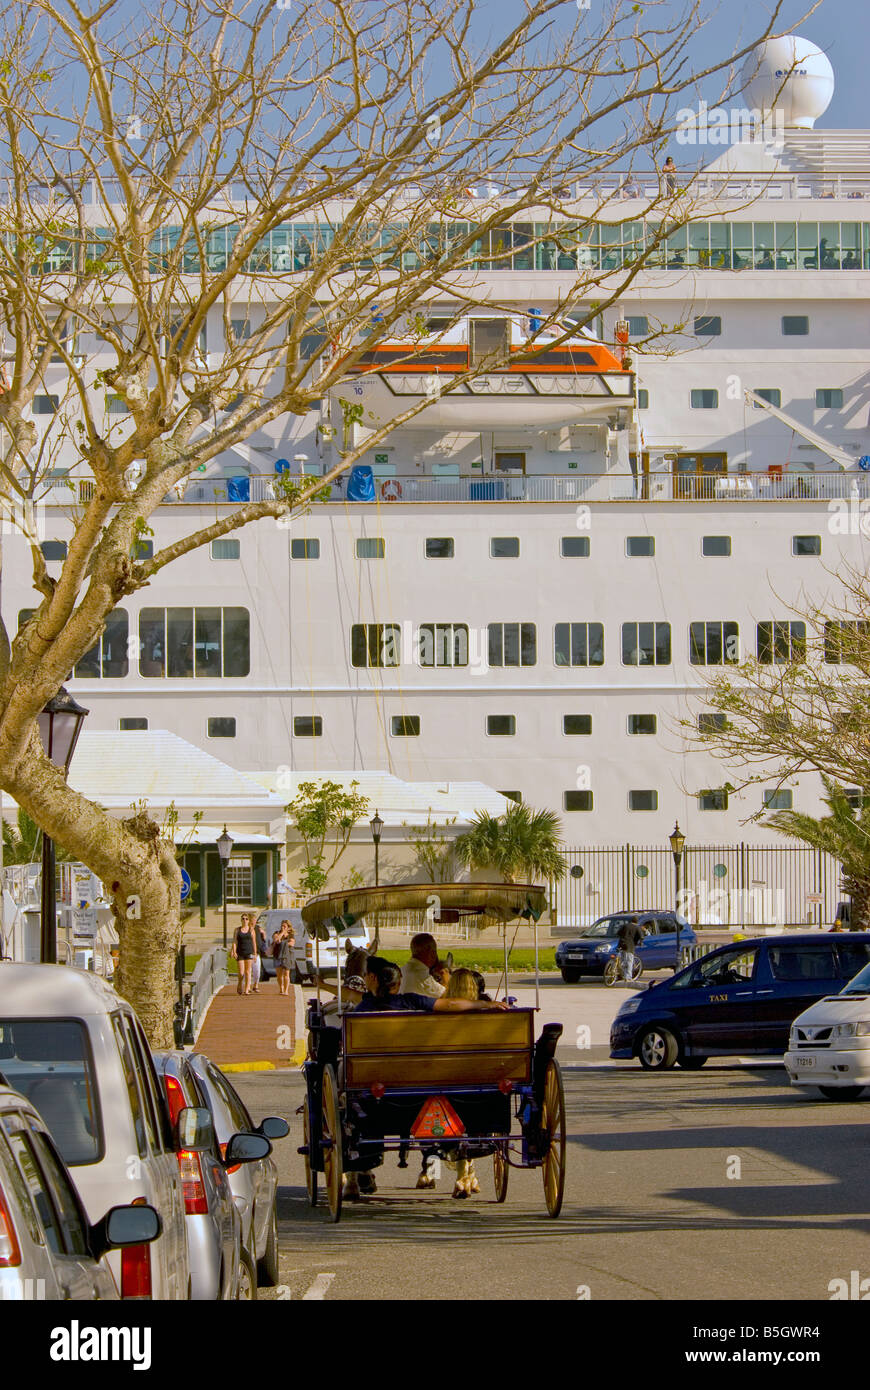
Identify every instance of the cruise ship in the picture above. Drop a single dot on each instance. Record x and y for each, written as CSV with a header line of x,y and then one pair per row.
x,y
529,583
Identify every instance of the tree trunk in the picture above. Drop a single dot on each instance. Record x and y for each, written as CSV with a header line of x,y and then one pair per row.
x,y
858,889
140,876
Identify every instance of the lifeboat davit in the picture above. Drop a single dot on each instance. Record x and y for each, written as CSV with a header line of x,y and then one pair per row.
x,y
548,379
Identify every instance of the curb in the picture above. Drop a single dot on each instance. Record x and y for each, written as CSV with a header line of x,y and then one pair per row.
x,y
299,1025
296,1060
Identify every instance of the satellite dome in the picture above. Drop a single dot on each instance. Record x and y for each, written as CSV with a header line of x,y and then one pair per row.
x,y
789,75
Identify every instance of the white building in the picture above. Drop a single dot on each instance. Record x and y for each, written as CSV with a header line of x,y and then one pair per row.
x,y
535,596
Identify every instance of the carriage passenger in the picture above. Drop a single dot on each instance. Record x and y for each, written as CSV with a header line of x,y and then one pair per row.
x,y
383,984
417,973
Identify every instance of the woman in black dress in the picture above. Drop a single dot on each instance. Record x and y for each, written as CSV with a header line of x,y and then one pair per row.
x,y
244,949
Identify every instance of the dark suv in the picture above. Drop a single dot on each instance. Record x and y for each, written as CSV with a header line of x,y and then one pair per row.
x,y
589,952
739,1000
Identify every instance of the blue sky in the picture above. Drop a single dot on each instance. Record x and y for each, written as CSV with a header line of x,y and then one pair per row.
x,y
840,27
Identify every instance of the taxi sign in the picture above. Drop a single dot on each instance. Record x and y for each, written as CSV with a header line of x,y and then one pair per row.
x,y
437,1120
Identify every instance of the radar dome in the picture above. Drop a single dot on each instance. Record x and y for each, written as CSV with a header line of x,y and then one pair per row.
x,y
792,76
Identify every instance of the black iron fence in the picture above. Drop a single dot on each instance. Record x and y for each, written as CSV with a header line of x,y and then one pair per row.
x,y
719,885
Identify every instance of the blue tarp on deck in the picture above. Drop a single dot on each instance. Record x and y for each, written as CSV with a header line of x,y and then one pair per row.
x,y
361,484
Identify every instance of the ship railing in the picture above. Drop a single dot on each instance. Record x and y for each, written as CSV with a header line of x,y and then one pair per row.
x,y
771,486
784,184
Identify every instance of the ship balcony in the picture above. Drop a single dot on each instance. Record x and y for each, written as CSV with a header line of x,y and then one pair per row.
x,y
398,489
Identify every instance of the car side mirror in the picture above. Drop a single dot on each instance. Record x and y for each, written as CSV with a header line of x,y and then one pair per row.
x,y
246,1148
273,1127
194,1129
132,1225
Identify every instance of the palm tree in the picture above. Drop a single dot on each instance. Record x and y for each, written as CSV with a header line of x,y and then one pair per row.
x,y
24,844
845,834
521,844
21,845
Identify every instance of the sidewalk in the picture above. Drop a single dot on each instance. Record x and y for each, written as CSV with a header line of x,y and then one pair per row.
x,y
255,1032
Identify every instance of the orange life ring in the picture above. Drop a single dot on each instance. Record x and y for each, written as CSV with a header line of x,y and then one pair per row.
x,y
391,490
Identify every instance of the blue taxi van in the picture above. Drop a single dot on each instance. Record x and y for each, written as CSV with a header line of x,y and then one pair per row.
x,y
739,1000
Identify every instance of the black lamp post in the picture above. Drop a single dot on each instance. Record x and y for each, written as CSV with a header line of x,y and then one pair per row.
x,y
677,839
377,826
224,849
60,724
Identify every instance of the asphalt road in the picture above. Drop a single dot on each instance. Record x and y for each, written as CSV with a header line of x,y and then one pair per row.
x,y
721,1184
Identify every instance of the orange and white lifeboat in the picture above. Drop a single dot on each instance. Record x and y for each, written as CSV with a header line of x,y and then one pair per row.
x,y
544,380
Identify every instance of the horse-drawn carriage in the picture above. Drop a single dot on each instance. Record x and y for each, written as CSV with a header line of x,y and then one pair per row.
x,y
452,1085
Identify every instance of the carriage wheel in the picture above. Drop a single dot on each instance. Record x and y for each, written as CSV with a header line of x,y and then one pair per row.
x,y
500,1171
331,1131
553,1122
310,1170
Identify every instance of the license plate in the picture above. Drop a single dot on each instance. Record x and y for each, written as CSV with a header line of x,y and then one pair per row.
x,y
806,1061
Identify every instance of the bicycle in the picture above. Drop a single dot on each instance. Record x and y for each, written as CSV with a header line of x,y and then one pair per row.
x,y
613,969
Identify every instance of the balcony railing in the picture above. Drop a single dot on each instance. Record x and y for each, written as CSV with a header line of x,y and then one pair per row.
x,y
547,487
617,183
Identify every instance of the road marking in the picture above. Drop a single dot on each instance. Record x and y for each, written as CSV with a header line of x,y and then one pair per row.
x,y
319,1287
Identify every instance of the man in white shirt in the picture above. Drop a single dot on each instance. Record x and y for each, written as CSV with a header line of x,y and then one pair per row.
x,y
415,975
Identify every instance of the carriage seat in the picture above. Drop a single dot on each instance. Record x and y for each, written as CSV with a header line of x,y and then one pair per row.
x,y
438,1049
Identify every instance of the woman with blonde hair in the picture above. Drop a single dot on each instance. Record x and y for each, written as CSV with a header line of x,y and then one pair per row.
x,y
462,985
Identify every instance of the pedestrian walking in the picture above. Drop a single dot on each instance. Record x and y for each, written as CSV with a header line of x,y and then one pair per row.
x,y
631,934
282,951
244,951
257,969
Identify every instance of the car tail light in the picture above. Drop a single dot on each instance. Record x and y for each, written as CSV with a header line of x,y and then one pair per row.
x,y
136,1266
175,1097
10,1252
505,1086
190,1168
236,1166
377,1089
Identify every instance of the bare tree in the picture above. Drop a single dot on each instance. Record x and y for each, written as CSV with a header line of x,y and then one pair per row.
x,y
804,706
151,165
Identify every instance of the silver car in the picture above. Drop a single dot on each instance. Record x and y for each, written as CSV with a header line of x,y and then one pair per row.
x,y
77,1051
255,1185
48,1249
213,1224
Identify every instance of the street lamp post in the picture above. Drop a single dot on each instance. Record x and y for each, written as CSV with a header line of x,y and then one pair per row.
x,y
224,849
60,724
377,826
677,839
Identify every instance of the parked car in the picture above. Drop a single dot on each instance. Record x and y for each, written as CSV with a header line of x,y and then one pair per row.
x,y
214,1226
589,952
254,1185
829,1044
77,1051
308,951
739,1000
48,1248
